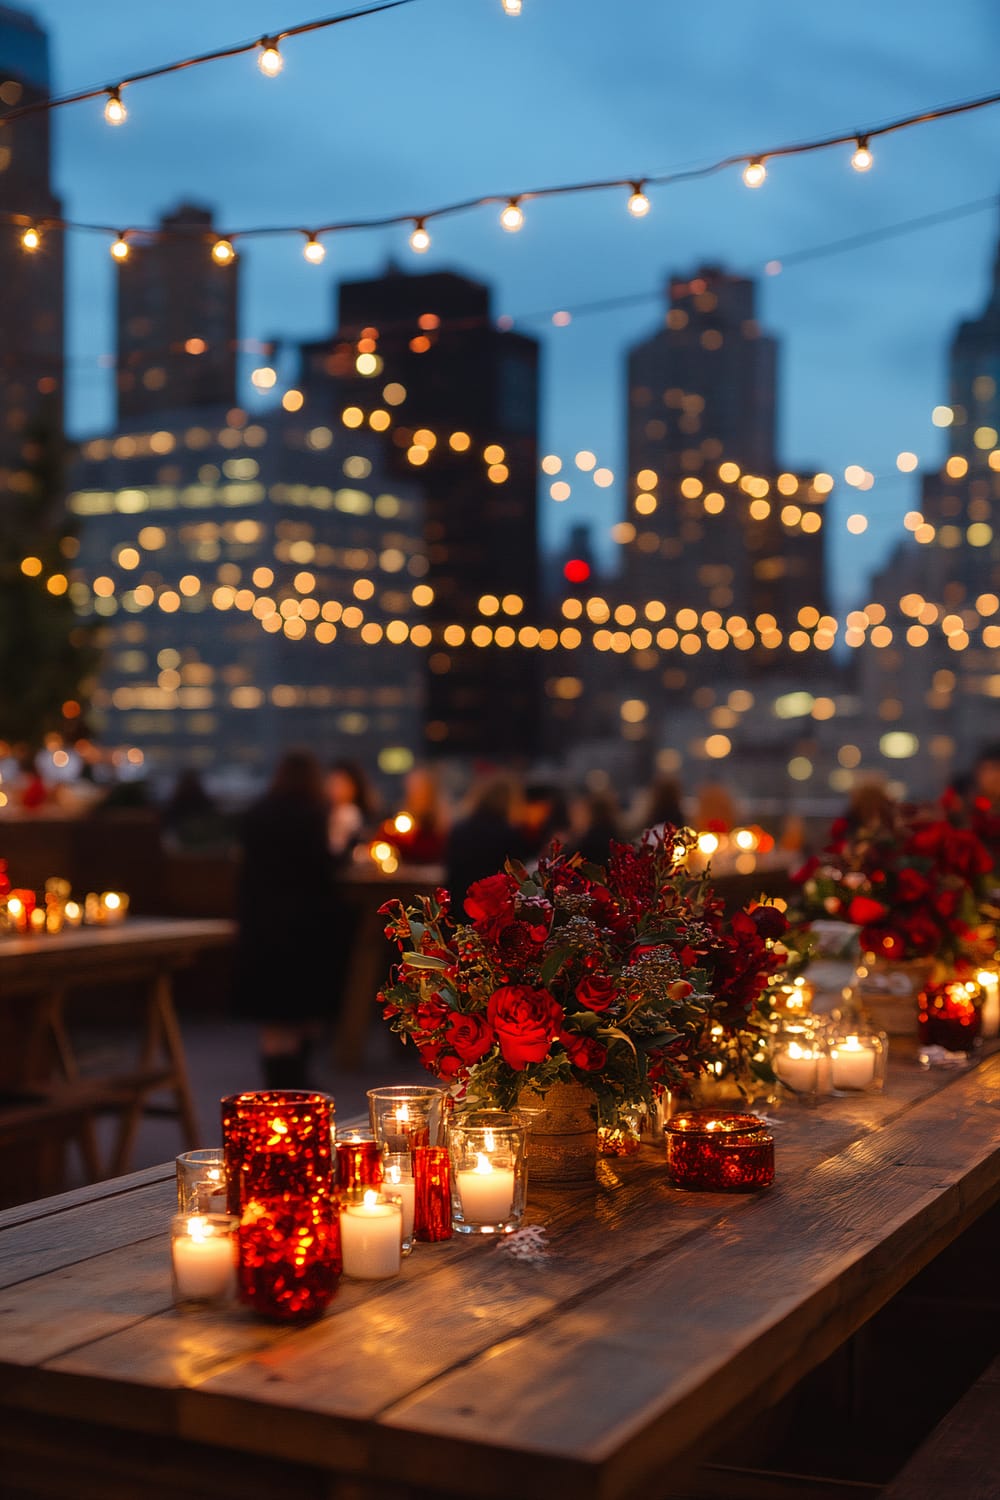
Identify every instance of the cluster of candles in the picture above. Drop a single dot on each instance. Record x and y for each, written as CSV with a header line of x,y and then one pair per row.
x,y
23,914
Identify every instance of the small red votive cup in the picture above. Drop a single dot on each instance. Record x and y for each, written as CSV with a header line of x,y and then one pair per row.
x,y
431,1194
277,1143
951,1015
712,1153
289,1257
359,1162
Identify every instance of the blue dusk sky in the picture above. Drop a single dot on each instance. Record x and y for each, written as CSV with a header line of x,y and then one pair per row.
x,y
447,99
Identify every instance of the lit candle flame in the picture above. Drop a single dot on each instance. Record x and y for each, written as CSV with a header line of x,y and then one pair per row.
x,y
198,1228
370,1199
483,1164
395,1175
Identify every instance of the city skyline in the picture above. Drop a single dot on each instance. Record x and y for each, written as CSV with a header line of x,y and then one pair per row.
x,y
863,370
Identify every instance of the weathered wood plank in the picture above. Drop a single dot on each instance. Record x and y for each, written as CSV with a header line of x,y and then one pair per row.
x,y
50,1242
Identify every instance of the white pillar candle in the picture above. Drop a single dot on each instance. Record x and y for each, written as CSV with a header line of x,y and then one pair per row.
x,y
204,1262
989,981
852,1064
798,1068
402,1187
486,1191
371,1238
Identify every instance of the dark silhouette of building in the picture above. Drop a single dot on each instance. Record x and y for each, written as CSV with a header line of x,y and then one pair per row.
x,y
177,320
718,527
421,359
31,282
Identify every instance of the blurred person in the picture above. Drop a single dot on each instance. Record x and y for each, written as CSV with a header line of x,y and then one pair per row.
x,y
190,817
543,815
661,806
352,806
289,960
481,841
420,830
602,823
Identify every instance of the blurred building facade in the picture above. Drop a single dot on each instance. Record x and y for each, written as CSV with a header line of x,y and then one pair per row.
x,y
420,359
31,283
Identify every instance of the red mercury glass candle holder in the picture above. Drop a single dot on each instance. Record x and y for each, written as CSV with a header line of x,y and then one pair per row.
x,y
950,1015
431,1193
359,1162
277,1143
289,1257
719,1153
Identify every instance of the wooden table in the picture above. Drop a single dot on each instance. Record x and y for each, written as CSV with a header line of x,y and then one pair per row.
x,y
661,1319
37,1059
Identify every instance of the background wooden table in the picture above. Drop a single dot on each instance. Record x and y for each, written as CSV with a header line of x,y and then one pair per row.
x,y
661,1320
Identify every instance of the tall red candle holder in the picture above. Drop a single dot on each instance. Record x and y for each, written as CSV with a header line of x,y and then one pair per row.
x,y
431,1193
289,1257
719,1153
277,1143
951,1015
359,1163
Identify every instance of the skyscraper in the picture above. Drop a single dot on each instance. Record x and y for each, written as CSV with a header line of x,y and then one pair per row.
x,y
177,320
31,283
420,359
714,524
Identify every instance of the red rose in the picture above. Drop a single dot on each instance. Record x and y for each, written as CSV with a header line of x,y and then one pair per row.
x,y
597,992
430,1014
770,923
525,1021
470,1036
437,1061
864,912
911,885
584,1052
490,904
946,903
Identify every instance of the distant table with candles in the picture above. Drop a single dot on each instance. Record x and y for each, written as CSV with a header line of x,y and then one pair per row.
x,y
661,1321
40,1075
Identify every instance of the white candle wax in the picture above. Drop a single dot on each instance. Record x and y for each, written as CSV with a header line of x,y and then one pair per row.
x,y
990,982
798,1068
371,1238
204,1263
402,1187
486,1191
852,1064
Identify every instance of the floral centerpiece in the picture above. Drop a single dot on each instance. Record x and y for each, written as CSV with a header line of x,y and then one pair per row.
x,y
617,980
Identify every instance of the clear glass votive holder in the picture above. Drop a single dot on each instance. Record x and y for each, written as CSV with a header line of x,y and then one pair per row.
x,y
397,1177
800,1059
489,1177
201,1181
624,1136
405,1115
371,1235
359,1161
719,1153
203,1257
858,1060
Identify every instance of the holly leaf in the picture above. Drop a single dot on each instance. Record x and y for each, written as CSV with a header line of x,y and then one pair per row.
x,y
423,961
552,963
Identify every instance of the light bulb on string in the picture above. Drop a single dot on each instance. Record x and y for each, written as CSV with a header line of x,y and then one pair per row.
x,y
512,217
269,60
638,203
114,110
223,253
862,159
314,252
511,7
120,248
754,172
420,240
31,239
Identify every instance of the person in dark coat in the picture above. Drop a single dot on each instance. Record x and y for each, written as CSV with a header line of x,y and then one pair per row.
x,y
480,842
289,971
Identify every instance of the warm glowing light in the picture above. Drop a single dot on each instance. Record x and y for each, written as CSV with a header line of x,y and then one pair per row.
x,y
314,252
862,159
114,110
512,217
420,240
856,524
638,203
119,249
31,238
403,823
942,416
708,843
270,61
754,173
511,7
906,462
223,253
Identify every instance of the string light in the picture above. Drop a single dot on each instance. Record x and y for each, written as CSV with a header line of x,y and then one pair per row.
x,y
511,7
754,172
31,239
269,59
120,248
862,159
638,203
512,217
223,252
114,111
420,240
314,252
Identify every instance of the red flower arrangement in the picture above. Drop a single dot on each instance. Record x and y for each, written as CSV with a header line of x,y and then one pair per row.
x,y
914,884
619,979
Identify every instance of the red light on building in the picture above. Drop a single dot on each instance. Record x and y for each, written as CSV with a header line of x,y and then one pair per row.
x,y
576,570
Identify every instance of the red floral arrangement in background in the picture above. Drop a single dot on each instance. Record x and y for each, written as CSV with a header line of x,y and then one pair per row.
x,y
915,883
614,978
